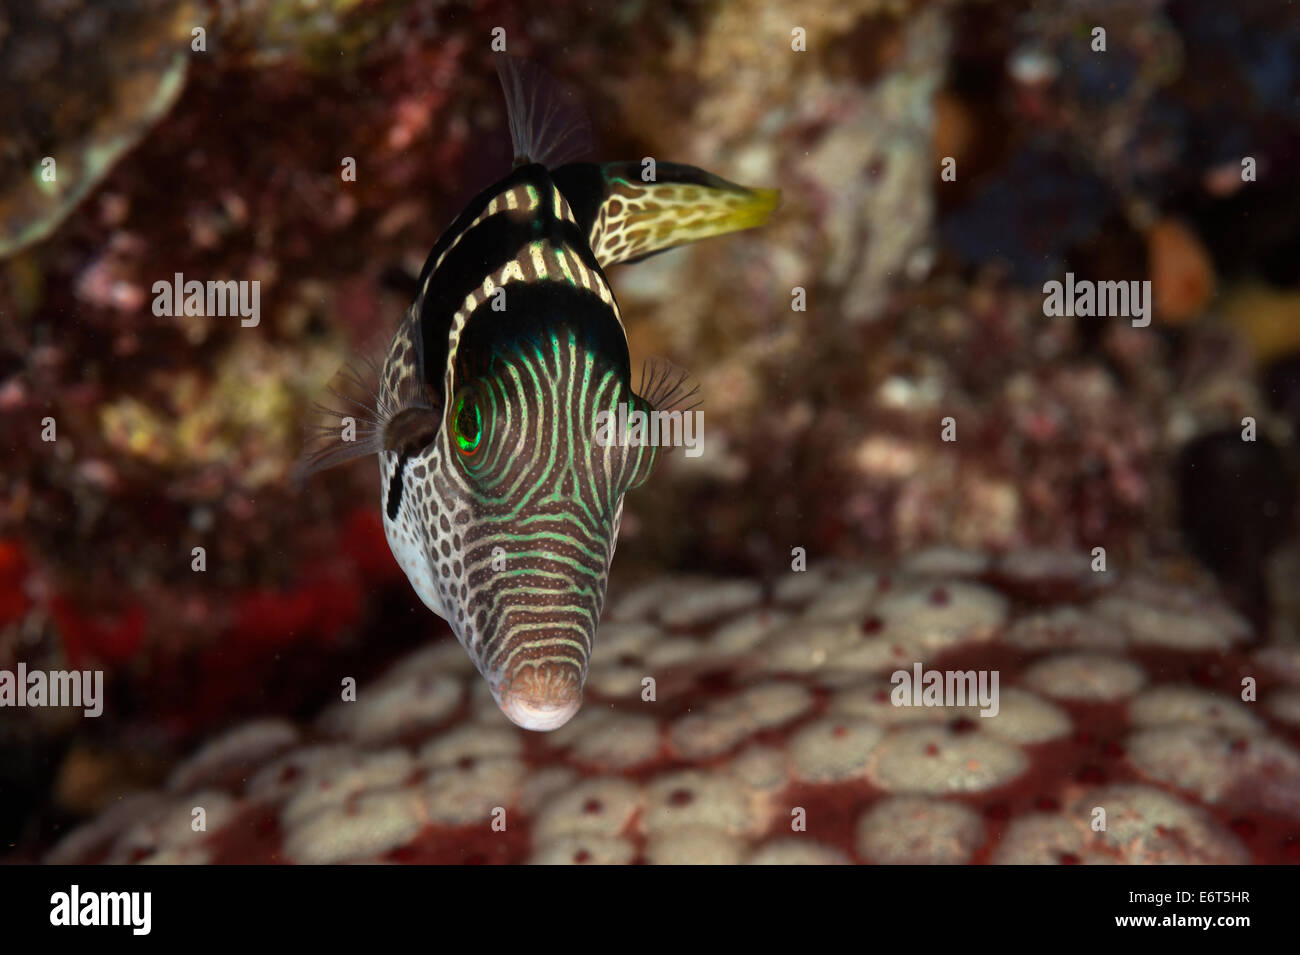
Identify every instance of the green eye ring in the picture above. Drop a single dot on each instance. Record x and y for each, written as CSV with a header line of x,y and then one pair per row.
x,y
467,425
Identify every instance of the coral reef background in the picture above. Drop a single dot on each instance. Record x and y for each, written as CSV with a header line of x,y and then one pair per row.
x,y
923,301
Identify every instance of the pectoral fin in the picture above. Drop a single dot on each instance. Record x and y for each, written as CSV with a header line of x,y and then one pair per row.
x,y
665,395
377,401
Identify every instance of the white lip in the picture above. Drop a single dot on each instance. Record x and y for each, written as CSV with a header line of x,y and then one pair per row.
x,y
540,718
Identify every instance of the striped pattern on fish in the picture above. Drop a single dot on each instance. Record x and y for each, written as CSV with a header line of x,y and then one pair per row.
x,y
499,503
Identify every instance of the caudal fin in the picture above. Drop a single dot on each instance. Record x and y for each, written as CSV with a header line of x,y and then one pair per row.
x,y
628,216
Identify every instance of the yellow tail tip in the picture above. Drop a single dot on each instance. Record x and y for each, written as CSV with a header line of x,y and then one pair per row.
x,y
754,210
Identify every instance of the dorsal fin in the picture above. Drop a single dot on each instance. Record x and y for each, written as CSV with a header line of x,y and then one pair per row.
x,y
547,123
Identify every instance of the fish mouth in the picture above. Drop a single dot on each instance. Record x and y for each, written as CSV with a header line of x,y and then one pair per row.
x,y
540,697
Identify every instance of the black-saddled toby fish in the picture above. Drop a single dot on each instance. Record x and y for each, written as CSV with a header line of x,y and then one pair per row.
x,y
499,501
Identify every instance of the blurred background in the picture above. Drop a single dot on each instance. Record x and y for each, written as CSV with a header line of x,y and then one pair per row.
x,y
924,300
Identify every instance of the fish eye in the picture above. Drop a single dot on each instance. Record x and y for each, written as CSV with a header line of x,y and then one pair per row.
x,y
467,424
